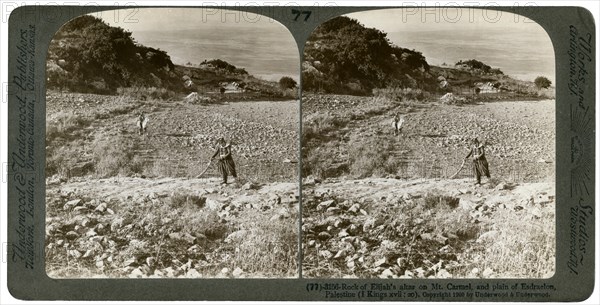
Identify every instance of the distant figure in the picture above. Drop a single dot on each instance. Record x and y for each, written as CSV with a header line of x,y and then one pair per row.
x,y
222,90
480,164
142,123
397,122
226,164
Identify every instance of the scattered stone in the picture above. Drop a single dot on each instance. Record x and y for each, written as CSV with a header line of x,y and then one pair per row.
x,y
193,273
79,210
100,264
310,180
536,212
136,273
380,262
354,208
273,200
249,186
225,271
89,253
325,205
387,273
74,253
444,274
72,204
101,208
343,233
237,272
150,261
91,233
333,210
130,262
371,223
71,235
276,217
324,236
326,254
487,273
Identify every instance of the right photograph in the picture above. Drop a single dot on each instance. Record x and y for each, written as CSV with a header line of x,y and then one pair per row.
x,y
428,146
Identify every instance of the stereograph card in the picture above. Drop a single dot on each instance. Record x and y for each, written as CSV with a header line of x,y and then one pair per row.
x,y
301,153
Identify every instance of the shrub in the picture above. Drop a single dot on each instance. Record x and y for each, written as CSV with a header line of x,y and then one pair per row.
x,y
542,82
287,82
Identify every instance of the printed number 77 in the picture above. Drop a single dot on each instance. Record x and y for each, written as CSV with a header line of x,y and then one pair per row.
x,y
298,13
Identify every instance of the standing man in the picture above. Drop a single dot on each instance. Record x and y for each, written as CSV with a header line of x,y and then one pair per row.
x,y
397,123
142,123
226,164
480,164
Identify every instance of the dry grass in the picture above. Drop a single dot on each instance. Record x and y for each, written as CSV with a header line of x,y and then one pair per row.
x,y
114,155
372,159
401,94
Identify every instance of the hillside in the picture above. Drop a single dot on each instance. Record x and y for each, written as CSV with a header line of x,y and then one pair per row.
x,y
342,56
120,204
89,56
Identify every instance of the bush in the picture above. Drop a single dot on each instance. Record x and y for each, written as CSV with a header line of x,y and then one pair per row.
x,y
99,58
343,56
542,82
287,82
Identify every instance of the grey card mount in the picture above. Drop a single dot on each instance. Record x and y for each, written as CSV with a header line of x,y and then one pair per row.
x,y
301,153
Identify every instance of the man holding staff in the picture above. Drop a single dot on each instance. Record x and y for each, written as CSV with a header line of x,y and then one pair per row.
x,y
480,164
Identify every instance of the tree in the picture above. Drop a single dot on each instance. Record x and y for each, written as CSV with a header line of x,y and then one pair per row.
x,y
287,82
542,82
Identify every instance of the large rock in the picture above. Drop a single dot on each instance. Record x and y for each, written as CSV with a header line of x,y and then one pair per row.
x,y
72,204
325,205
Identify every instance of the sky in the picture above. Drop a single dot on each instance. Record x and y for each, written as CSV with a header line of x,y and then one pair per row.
x,y
260,45
515,44
518,46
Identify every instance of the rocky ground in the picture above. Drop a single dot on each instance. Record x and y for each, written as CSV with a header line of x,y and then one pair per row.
x,y
429,228
435,137
120,204
171,227
181,135
379,205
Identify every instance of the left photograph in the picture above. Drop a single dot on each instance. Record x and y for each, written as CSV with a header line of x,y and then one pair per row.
x,y
172,146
